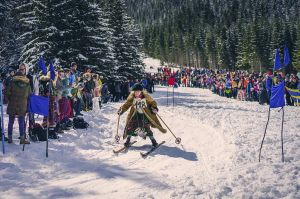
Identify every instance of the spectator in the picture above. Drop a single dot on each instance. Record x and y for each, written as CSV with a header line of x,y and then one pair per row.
x,y
17,94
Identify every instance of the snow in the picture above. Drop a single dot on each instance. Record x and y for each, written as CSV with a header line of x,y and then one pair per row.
x,y
82,57
218,157
151,65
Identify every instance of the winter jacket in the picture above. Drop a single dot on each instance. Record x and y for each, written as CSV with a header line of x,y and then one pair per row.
x,y
73,77
62,86
151,104
144,82
89,86
234,84
249,87
17,95
104,90
269,83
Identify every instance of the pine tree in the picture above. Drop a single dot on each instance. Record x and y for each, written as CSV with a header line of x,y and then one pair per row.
x,y
78,33
200,42
125,41
270,25
3,35
134,50
73,30
211,49
296,54
9,51
41,32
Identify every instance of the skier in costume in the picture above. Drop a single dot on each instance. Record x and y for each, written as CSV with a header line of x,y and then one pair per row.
x,y
142,115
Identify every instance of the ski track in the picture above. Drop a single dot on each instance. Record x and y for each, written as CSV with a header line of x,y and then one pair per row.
x,y
218,156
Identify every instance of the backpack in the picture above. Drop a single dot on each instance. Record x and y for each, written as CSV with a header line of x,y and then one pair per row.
x,y
52,134
79,123
66,124
38,133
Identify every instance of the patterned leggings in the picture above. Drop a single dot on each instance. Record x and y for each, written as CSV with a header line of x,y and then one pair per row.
x,y
139,121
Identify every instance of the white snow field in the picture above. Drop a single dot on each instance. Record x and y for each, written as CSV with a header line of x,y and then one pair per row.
x,y
218,157
151,65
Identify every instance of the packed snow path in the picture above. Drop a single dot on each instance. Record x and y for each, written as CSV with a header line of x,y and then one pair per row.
x,y
218,157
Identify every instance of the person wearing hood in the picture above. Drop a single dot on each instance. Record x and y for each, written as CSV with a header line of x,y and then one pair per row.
x,y
17,96
142,115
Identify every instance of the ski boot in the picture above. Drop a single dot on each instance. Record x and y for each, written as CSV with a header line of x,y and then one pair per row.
x,y
10,140
127,143
154,143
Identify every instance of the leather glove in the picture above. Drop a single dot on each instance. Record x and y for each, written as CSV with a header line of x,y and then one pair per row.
x,y
119,112
154,111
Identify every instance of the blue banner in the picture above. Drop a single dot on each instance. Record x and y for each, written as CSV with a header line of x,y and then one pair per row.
x,y
277,96
287,58
39,105
277,62
52,72
295,94
42,66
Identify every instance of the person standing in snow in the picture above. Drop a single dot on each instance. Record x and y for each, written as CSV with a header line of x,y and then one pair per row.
x,y
117,88
17,95
142,115
89,86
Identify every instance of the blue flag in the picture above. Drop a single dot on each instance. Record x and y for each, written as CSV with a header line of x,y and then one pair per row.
x,y
295,94
42,65
287,58
277,62
39,105
277,96
52,72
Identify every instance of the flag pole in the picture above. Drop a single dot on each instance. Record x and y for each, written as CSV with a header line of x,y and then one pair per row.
x,y
282,153
167,94
262,142
173,95
47,143
27,116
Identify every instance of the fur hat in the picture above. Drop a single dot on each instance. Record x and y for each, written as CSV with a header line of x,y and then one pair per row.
x,y
137,87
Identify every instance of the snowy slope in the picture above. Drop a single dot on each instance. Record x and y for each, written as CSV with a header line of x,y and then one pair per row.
x,y
218,157
151,65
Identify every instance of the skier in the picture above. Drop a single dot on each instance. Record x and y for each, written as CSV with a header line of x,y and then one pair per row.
x,y
142,115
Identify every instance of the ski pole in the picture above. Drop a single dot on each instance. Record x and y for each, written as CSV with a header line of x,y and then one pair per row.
x,y
117,137
2,118
177,139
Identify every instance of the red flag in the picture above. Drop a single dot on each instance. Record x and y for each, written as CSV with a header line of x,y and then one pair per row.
x,y
171,81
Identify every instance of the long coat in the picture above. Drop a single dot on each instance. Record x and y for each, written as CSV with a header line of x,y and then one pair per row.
x,y
17,95
147,111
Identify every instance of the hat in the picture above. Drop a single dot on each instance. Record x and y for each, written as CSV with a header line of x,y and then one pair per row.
x,y
73,64
137,87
